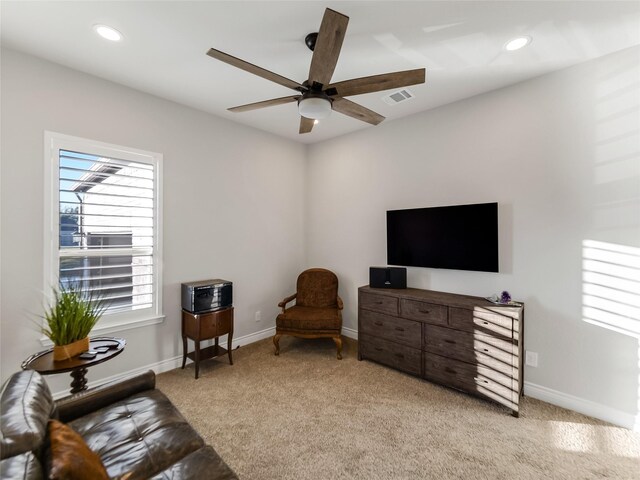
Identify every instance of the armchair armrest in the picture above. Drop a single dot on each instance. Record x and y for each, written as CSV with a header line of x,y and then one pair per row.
x,y
80,404
284,302
340,304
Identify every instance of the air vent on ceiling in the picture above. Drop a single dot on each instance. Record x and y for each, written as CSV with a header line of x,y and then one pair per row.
x,y
398,97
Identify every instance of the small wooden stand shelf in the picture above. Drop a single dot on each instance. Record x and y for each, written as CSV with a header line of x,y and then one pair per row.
x,y
206,326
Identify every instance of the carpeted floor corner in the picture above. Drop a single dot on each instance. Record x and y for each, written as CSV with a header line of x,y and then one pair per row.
x,y
305,415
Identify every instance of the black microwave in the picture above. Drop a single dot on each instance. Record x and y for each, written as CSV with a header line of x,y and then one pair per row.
x,y
207,295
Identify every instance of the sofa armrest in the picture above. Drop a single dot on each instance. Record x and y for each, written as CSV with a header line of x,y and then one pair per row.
x,y
340,304
284,302
80,404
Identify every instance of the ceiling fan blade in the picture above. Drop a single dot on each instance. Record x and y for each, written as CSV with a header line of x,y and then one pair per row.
x,y
306,124
251,68
328,44
351,109
265,103
376,83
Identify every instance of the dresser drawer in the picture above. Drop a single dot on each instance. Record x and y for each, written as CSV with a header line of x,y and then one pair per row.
x,y
448,371
406,332
388,353
424,312
471,378
493,352
378,303
481,320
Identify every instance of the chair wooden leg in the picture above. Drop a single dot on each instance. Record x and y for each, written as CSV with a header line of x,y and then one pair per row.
x,y
338,342
276,342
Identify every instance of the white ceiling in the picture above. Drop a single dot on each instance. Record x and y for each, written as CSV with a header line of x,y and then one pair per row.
x,y
459,43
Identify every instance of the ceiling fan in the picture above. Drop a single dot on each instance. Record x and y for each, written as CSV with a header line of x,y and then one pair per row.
x,y
316,96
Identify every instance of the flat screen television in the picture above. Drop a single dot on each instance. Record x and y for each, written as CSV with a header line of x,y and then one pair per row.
x,y
459,237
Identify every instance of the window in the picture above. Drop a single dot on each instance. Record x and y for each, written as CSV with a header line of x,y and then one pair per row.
x,y
102,226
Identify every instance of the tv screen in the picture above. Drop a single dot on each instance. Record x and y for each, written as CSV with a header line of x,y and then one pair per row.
x,y
460,237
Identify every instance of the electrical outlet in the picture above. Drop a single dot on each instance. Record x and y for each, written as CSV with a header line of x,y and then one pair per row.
x,y
531,358
258,316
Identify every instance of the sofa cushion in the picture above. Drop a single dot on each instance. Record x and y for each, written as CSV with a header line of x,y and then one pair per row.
x,y
26,404
143,434
203,463
25,467
309,318
68,456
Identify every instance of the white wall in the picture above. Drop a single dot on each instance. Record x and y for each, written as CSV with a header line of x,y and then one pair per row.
x,y
560,155
232,204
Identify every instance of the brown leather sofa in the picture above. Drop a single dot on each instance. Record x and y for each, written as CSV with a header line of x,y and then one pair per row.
x,y
134,428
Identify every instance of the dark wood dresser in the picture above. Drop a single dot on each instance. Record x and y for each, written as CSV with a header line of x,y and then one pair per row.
x,y
459,341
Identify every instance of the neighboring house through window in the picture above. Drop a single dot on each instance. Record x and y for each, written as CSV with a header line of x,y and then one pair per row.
x,y
102,226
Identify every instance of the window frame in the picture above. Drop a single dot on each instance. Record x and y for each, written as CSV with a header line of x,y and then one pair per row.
x,y
53,143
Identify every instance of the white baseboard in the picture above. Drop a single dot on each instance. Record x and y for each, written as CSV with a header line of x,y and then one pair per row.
x,y
173,362
580,405
350,332
253,337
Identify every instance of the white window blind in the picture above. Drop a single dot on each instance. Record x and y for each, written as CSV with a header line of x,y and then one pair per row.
x,y
105,224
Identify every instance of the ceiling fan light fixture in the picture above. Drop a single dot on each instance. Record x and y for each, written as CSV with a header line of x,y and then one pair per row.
x,y
108,33
517,43
314,105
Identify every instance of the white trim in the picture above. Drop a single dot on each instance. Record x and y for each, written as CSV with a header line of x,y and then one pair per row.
x,y
586,407
158,367
350,332
173,362
53,142
114,328
253,337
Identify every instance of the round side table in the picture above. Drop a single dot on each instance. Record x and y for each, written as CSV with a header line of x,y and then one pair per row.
x,y
43,362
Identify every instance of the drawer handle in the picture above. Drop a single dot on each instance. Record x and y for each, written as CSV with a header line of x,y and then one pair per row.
x,y
482,380
450,341
378,303
378,349
449,370
378,323
399,355
400,329
486,349
485,323
423,311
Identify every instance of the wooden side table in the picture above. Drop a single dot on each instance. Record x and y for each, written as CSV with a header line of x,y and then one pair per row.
x,y
206,326
43,362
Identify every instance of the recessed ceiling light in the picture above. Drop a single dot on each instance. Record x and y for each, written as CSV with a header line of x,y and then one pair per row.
x,y
517,43
108,32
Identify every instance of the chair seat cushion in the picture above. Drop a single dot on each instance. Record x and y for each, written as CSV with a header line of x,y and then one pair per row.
x,y
309,319
143,434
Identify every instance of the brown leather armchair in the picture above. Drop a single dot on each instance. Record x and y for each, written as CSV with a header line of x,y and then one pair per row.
x,y
317,312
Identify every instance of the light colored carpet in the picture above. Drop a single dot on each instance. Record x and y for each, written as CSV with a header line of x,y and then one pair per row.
x,y
305,415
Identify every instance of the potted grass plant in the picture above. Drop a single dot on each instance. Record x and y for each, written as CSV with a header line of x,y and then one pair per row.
x,y
70,319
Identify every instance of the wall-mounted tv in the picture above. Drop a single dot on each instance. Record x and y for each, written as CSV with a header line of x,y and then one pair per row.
x,y
459,237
